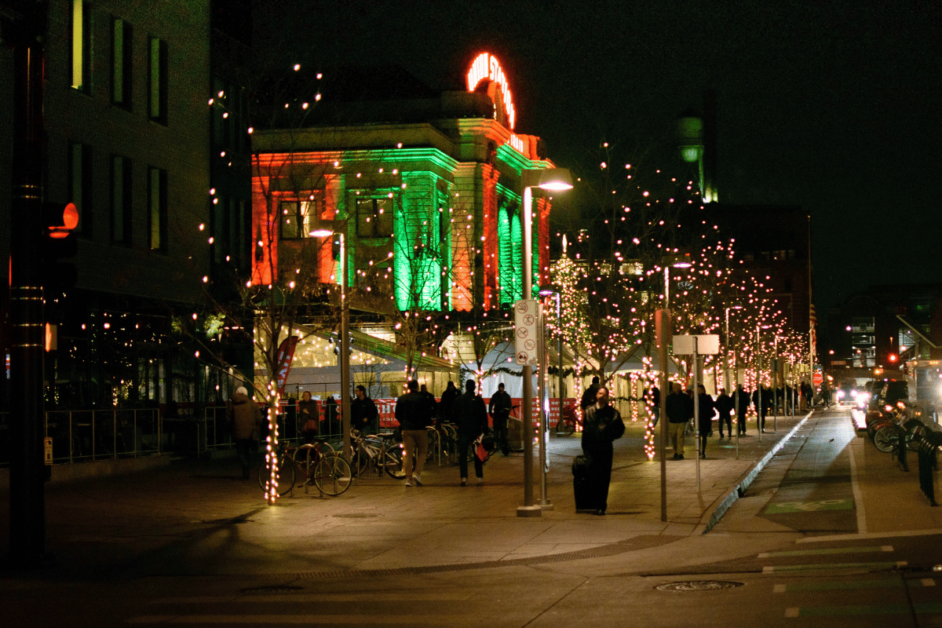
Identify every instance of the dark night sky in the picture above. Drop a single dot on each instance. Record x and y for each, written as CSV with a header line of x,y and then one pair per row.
x,y
834,106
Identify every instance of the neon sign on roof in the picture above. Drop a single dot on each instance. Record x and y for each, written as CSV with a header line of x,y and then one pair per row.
x,y
487,67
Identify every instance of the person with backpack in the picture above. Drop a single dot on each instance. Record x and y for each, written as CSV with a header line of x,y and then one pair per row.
x,y
470,414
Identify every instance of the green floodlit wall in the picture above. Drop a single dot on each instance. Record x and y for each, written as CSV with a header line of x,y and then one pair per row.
x,y
510,246
420,254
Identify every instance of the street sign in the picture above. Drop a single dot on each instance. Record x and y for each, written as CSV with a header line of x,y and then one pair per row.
x,y
527,318
707,344
817,378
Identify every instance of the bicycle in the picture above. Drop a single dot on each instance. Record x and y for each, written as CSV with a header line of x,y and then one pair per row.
x,y
569,421
373,451
330,473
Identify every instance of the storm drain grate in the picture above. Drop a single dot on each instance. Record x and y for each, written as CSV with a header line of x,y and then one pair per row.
x,y
698,585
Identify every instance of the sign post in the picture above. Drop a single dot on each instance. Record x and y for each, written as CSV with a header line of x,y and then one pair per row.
x,y
696,346
526,340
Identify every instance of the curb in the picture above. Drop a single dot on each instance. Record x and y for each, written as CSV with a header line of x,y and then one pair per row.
x,y
737,491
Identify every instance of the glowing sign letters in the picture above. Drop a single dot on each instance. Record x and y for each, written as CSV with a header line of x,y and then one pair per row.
x,y
487,67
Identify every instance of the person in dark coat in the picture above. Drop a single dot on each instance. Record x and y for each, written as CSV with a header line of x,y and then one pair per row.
x,y
412,412
330,415
446,402
724,406
601,426
470,416
430,399
766,403
677,419
499,408
589,396
245,421
741,399
309,416
363,413
655,396
707,409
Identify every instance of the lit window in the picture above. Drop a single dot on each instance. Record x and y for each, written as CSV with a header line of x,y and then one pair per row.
x,y
121,48
157,84
297,218
80,184
157,209
81,45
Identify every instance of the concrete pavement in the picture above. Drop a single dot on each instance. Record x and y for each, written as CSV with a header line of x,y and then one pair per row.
x,y
206,519
199,518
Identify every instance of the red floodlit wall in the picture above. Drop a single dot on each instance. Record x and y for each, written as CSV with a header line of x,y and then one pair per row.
x,y
490,244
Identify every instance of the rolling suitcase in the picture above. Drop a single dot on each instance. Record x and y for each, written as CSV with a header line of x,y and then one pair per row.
x,y
581,486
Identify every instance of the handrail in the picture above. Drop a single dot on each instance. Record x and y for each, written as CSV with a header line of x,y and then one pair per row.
x,y
90,435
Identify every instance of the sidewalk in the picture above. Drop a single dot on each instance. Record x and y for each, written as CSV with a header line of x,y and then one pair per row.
x,y
198,517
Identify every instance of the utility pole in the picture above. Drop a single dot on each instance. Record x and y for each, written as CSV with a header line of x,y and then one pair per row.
x,y
27,472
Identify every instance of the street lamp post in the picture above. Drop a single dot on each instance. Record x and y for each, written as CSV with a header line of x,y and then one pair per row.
x,y
323,230
663,331
732,393
554,179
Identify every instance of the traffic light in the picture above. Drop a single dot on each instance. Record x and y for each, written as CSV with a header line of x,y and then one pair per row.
x,y
59,242
892,358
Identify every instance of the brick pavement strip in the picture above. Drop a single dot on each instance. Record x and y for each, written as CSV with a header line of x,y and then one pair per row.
x,y
197,517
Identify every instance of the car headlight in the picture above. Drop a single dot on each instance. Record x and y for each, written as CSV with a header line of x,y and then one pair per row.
x,y
840,394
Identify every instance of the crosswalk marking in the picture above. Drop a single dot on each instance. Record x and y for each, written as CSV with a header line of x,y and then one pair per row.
x,y
859,584
391,618
820,566
417,596
836,550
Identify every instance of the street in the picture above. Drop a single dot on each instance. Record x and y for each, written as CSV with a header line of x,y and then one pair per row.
x,y
814,536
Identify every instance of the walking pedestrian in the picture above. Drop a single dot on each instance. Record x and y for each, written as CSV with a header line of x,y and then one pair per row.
x,y
412,412
499,408
762,405
363,413
654,394
724,406
330,414
742,409
471,417
707,408
245,421
430,400
677,419
309,417
601,426
447,401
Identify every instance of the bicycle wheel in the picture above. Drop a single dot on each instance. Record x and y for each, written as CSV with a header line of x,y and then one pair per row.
x,y
286,474
392,463
886,439
332,475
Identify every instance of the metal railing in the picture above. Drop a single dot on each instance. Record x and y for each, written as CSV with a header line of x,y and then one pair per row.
x,y
88,435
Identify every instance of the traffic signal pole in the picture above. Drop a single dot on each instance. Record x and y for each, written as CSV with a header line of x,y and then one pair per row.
x,y
27,547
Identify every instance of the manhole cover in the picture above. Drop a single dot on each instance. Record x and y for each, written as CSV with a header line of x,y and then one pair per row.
x,y
698,585
275,588
355,516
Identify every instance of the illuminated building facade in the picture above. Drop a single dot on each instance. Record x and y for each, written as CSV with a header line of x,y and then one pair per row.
x,y
425,186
